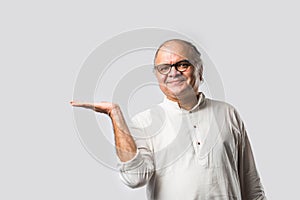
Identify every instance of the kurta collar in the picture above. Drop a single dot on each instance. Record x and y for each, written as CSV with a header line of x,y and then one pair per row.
x,y
174,105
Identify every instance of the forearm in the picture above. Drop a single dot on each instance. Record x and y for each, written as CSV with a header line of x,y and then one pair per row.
x,y
250,181
125,145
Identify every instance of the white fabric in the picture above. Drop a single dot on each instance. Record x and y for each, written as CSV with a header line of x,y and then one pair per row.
x,y
173,164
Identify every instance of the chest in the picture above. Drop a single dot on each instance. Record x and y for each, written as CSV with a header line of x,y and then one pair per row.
x,y
191,140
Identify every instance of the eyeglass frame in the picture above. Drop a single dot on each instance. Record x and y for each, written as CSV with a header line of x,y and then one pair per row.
x,y
176,65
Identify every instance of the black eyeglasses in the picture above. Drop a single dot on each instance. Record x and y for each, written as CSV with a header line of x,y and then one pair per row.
x,y
180,66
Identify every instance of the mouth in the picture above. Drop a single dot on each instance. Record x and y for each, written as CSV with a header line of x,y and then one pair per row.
x,y
174,81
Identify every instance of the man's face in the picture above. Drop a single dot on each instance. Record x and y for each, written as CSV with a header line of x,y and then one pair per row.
x,y
175,84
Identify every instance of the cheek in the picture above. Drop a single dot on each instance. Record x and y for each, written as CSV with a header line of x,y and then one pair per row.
x,y
161,81
192,80
190,77
161,78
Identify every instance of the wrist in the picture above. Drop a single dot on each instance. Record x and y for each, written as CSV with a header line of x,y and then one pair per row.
x,y
115,111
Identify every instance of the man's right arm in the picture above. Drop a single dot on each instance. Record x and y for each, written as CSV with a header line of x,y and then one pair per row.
x,y
125,145
136,165
139,170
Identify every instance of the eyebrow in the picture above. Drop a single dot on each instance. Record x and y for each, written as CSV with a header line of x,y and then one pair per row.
x,y
185,60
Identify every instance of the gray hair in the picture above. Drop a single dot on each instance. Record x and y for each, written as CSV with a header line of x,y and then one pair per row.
x,y
195,59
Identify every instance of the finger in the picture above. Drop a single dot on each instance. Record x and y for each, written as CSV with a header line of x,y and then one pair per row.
x,y
83,105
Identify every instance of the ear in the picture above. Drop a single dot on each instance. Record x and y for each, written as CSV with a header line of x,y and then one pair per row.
x,y
201,73
200,76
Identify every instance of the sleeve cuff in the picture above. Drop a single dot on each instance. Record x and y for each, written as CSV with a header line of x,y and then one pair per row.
x,y
131,164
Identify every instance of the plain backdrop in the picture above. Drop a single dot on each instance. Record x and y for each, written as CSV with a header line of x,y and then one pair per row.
x,y
254,46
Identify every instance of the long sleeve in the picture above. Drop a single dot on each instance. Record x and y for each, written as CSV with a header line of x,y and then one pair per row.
x,y
251,187
139,170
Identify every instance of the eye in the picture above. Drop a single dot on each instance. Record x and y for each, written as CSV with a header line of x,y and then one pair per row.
x,y
163,68
183,65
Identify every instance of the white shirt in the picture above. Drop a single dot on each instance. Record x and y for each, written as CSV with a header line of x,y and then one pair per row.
x,y
202,154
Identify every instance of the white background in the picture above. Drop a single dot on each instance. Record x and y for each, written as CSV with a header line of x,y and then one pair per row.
x,y
254,45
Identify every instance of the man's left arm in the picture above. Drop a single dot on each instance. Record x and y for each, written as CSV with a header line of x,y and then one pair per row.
x,y
251,187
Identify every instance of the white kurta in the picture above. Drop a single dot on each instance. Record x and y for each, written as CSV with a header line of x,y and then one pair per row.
x,y
202,154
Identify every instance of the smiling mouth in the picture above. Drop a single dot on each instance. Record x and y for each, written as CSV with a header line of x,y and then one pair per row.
x,y
174,81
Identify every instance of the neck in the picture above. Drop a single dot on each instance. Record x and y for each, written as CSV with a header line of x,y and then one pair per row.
x,y
188,101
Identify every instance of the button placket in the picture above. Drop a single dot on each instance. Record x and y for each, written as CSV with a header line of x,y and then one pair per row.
x,y
194,128
194,116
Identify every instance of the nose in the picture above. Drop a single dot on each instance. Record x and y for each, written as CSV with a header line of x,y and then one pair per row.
x,y
174,72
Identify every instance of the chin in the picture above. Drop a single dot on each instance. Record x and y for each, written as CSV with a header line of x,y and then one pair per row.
x,y
178,91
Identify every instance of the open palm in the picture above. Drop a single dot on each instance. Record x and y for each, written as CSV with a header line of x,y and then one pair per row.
x,y
102,107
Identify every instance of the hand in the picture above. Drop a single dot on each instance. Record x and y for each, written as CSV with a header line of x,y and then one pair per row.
x,y
102,107
125,145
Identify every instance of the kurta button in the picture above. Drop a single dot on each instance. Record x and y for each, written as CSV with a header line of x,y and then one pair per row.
x,y
198,143
195,126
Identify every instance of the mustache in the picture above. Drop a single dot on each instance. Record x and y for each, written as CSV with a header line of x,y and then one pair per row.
x,y
170,80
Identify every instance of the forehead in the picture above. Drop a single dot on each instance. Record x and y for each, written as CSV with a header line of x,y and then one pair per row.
x,y
172,53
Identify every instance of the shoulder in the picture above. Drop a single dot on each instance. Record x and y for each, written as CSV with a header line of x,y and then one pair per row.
x,y
220,106
227,111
